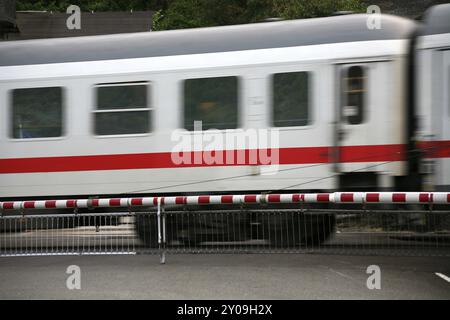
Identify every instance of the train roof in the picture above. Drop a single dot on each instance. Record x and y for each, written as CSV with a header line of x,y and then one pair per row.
x,y
437,20
291,33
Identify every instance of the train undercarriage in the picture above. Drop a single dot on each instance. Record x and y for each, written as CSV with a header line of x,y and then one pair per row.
x,y
280,228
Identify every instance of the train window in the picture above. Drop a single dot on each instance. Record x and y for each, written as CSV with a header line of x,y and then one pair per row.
x,y
122,108
354,87
214,101
290,99
37,113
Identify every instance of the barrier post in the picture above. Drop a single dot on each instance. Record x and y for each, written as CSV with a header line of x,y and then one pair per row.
x,y
161,232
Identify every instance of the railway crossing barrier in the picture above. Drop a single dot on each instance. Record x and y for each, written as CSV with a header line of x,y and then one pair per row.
x,y
383,223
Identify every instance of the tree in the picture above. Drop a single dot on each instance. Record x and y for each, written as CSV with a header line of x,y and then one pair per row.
x,y
92,5
199,13
179,14
204,13
292,9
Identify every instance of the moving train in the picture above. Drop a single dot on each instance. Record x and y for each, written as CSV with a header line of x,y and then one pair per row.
x,y
314,105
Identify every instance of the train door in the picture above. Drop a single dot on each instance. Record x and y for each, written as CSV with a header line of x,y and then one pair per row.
x,y
362,109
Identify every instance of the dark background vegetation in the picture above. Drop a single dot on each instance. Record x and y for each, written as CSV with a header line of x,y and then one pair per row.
x,y
177,14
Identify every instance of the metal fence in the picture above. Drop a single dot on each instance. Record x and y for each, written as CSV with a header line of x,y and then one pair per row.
x,y
68,234
416,225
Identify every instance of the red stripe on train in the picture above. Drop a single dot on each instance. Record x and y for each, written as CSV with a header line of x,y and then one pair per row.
x,y
435,149
287,156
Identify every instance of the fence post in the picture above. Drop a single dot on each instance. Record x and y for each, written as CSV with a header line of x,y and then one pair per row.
x,y
161,232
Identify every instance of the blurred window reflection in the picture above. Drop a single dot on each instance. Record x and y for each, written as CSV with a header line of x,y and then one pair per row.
x,y
122,108
354,85
214,101
291,99
37,113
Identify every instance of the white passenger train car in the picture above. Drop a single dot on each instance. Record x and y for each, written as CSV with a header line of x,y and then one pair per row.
x,y
93,116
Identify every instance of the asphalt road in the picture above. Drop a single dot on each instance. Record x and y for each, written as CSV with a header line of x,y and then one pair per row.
x,y
246,276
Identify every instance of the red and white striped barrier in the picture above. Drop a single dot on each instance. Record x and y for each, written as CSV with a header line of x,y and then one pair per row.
x,y
336,197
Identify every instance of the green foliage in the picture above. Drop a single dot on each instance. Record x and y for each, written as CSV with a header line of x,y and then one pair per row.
x,y
292,9
92,5
156,21
203,13
200,13
179,14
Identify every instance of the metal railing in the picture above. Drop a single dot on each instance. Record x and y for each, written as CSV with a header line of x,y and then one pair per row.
x,y
340,223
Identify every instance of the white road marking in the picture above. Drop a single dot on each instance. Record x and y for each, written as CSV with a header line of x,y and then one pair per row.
x,y
443,276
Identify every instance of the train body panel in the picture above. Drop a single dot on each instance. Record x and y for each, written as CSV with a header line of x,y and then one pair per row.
x,y
432,94
165,90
